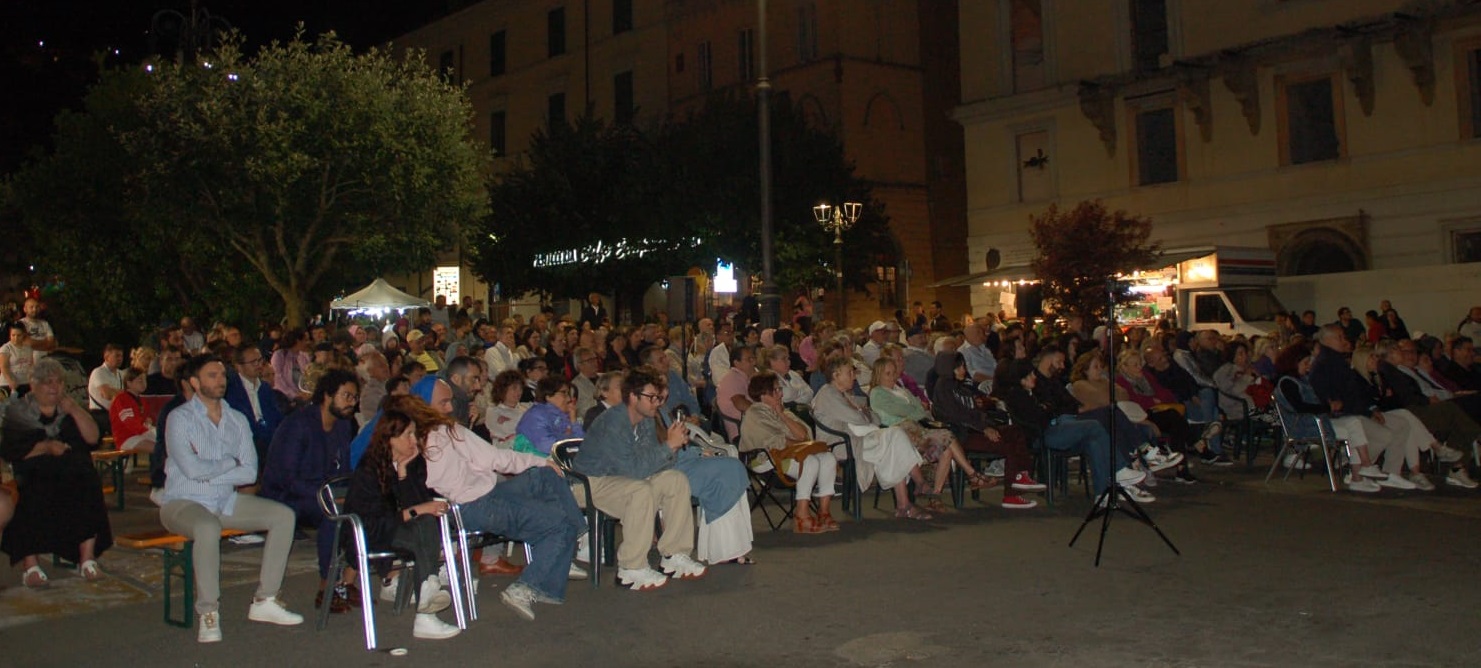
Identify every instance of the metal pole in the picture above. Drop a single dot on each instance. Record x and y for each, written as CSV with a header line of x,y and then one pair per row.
x,y
838,270
771,300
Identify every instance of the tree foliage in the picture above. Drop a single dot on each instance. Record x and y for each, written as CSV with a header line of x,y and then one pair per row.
x,y
687,192
252,185
1081,249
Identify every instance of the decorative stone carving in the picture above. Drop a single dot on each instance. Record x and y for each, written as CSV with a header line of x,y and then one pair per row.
x,y
1098,103
1416,47
1193,91
1241,77
1359,65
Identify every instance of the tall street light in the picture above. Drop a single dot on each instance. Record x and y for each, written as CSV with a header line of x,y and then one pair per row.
x,y
837,219
771,301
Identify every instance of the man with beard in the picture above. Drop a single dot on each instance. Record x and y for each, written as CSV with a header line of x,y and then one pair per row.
x,y
311,446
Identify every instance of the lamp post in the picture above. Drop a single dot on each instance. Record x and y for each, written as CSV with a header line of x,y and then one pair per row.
x,y
837,219
771,300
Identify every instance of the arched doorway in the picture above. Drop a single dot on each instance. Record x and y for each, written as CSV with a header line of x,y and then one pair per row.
x,y
1321,250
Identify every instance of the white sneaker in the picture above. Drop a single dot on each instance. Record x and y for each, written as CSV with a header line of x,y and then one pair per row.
x,y
271,611
429,627
1395,481
682,566
583,547
388,589
1362,484
1129,476
209,627
1372,472
641,578
519,598
1421,482
1459,478
994,469
433,598
576,573
247,539
1157,460
1139,495
1294,461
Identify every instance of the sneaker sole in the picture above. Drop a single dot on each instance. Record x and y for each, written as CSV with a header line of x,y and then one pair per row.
x,y
437,636
676,575
276,622
1460,484
644,587
528,615
1025,506
1037,487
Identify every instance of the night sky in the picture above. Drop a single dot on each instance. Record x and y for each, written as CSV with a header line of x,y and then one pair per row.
x,y
49,48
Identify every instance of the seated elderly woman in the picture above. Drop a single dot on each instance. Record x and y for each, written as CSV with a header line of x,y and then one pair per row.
x,y
47,437
551,418
1234,380
956,401
1090,384
1164,410
133,428
795,389
505,409
794,453
1298,400
883,453
896,406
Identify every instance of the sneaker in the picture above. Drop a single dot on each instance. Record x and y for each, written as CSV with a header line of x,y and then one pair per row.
x,y
682,566
429,627
1372,472
1294,461
1459,478
433,599
1015,502
1395,481
248,539
1208,457
1448,454
209,627
1362,484
1157,461
388,589
1139,495
1184,477
583,548
576,573
994,469
1024,483
1421,482
271,611
1129,476
518,597
641,578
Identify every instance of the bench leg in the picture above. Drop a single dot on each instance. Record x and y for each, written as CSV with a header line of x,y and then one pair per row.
x,y
181,560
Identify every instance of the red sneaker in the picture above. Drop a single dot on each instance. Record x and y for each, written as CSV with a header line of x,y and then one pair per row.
x,y
1018,503
1023,483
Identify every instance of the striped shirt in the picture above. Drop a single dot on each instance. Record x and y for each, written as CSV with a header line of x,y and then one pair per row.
x,y
207,460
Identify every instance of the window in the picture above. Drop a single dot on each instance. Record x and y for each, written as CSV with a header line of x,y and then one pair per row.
x,y
1210,309
807,32
1035,176
702,58
498,48
447,64
1310,120
555,110
1469,67
622,16
622,98
555,32
747,51
1148,33
1026,39
889,291
1464,237
1156,148
498,134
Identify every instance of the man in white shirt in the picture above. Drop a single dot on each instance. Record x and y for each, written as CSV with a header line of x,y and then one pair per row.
x,y
43,339
192,338
719,359
879,334
980,363
500,356
106,381
918,360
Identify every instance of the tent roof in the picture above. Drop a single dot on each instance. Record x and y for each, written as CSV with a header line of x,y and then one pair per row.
x,y
379,294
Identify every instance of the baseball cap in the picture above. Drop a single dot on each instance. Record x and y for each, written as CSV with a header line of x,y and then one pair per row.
x,y
414,335
876,326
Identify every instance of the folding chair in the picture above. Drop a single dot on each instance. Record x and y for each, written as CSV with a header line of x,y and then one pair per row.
x,y
1290,421
329,494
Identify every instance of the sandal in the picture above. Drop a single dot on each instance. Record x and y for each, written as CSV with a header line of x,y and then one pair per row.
x,y
743,560
913,513
89,570
35,578
807,524
827,523
980,481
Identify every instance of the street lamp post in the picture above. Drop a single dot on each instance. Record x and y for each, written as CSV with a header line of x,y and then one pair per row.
x,y
771,300
837,219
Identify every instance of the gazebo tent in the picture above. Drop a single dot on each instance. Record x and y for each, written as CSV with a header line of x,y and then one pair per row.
x,y
378,295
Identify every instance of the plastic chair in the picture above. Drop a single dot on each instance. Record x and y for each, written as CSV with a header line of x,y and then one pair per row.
x,y
852,502
329,495
564,453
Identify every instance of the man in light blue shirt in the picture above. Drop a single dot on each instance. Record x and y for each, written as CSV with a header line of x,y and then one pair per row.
x,y
980,363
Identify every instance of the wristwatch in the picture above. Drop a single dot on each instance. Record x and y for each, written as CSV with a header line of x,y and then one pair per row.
x,y
412,511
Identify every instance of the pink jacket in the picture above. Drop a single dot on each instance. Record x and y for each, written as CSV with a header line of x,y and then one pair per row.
x,y
461,466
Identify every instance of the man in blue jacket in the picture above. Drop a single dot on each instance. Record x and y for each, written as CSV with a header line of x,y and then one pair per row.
x,y
253,398
310,447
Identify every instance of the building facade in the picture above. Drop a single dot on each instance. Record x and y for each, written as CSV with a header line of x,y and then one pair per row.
x,y
1341,134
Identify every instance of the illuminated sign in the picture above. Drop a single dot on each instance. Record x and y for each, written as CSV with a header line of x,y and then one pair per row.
x,y
602,251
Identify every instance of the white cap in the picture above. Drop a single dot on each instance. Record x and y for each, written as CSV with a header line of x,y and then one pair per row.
x,y
876,326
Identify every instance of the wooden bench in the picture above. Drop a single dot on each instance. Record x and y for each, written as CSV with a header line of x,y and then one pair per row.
x,y
113,462
177,555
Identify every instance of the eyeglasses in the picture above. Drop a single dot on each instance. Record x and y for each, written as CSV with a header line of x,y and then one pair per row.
x,y
660,398
349,395
252,362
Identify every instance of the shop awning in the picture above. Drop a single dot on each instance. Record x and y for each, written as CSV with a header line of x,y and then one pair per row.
x,y
1016,272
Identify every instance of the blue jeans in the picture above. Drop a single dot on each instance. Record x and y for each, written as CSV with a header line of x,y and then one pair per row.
x,y
1087,439
1206,411
535,507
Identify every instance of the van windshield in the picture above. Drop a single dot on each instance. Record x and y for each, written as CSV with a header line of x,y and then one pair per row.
x,y
1255,305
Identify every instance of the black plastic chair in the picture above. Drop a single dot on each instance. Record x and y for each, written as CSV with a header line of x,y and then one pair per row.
x,y
329,494
852,495
601,527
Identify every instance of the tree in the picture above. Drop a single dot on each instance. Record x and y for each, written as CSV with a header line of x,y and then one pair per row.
x,y
1081,249
615,208
292,173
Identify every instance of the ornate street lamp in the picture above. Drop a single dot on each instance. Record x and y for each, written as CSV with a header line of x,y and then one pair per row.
x,y
191,34
837,219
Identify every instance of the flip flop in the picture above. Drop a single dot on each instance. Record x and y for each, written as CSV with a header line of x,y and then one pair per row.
x,y
89,571
39,581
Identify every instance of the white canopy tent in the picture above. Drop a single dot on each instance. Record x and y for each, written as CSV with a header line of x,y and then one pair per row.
x,y
379,295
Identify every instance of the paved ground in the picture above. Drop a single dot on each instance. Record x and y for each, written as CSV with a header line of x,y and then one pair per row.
x,y
1289,575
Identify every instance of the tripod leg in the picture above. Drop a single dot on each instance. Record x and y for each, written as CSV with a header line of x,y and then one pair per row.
x,y
1096,510
1140,515
1113,491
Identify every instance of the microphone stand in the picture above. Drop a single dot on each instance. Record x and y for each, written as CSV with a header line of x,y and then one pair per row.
x,y
1110,501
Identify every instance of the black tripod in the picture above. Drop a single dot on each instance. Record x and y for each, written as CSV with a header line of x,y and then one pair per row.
x,y
1115,495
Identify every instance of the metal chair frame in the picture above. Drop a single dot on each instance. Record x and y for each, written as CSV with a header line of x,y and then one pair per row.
x,y
1290,443
329,504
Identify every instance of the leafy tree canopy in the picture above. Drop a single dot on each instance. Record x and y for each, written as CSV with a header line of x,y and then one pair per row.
x,y
1081,249
252,185
687,193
